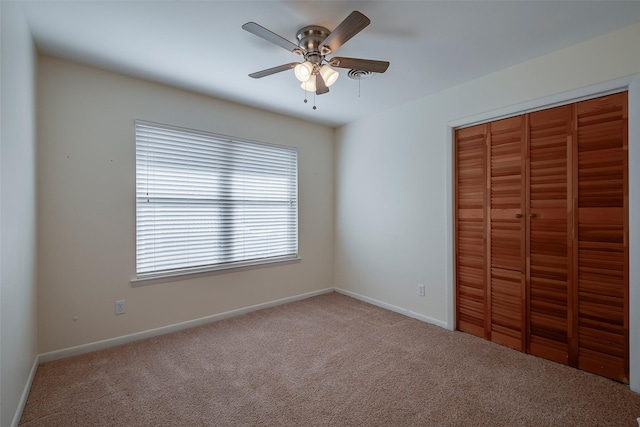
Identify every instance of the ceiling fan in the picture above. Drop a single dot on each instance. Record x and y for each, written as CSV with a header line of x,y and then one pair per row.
x,y
314,44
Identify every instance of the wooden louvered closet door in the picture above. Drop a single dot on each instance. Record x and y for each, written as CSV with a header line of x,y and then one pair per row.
x,y
549,225
601,252
470,190
506,242
542,260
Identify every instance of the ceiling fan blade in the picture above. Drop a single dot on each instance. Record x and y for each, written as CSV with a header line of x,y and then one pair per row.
x,y
321,86
352,25
270,36
269,71
360,64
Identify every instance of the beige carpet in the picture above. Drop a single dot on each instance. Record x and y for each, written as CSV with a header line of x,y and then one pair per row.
x,y
326,361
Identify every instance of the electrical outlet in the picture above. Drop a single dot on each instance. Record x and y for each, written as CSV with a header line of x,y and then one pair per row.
x,y
120,306
420,290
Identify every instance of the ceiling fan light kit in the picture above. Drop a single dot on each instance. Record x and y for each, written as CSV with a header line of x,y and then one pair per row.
x,y
314,44
329,75
309,85
303,71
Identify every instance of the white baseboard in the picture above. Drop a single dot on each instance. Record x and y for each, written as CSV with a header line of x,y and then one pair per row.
x,y
25,392
428,319
99,345
394,308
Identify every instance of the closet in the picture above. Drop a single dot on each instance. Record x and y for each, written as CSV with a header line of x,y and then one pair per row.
x,y
541,234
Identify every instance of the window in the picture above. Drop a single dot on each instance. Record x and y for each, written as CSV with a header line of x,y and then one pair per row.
x,y
206,202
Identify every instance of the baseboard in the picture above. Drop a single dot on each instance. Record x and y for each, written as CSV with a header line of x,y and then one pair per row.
x,y
25,392
99,345
111,342
394,308
428,319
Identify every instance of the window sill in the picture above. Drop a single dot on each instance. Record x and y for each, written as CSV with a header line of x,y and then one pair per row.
x,y
176,276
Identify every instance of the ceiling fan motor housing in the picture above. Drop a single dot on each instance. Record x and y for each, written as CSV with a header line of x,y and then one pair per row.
x,y
310,39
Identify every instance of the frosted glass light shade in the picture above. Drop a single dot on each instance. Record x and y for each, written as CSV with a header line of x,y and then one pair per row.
x,y
309,85
303,71
329,75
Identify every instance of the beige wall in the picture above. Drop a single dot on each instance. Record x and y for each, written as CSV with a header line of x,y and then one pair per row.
x,y
393,174
86,210
18,324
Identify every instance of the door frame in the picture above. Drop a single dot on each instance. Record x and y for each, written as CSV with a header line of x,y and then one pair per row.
x,y
630,84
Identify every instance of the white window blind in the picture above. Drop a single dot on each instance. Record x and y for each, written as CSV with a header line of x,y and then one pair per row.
x,y
206,201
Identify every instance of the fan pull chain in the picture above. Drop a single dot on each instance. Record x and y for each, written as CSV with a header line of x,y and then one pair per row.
x,y
305,97
359,79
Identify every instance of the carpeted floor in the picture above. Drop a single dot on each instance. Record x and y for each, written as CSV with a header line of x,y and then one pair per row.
x,y
330,360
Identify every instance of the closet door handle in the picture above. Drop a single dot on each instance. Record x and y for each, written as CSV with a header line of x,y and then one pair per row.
x,y
518,215
532,215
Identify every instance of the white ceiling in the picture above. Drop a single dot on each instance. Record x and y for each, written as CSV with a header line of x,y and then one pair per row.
x,y
200,45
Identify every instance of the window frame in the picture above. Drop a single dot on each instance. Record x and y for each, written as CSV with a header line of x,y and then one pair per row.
x,y
160,276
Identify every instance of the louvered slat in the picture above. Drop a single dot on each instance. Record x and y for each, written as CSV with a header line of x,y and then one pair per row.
x,y
602,264
470,229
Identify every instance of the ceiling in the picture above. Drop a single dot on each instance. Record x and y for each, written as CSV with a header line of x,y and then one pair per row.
x,y
200,45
